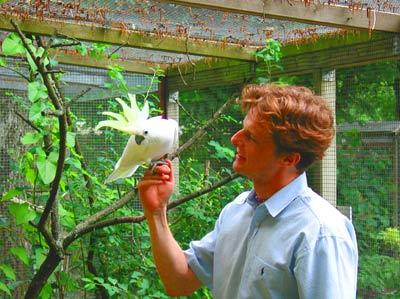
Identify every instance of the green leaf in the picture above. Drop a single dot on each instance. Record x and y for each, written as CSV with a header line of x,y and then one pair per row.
x,y
67,217
40,256
47,170
4,288
35,112
74,162
82,49
2,62
112,280
12,45
21,212
71,139
8,271
46,292
11,193
31,138
36,91
32,64
20,253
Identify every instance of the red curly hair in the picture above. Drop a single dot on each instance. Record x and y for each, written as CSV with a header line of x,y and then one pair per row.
x,y
299,121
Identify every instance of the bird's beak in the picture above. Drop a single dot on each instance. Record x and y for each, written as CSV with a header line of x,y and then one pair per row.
x,y
139,139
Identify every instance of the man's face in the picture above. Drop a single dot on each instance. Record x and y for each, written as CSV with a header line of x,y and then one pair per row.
x,y
255,151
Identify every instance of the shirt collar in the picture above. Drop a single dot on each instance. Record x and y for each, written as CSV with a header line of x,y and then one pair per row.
x,y
282,198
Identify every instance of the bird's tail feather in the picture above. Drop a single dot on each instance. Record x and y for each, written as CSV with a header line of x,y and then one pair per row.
x,y
120,173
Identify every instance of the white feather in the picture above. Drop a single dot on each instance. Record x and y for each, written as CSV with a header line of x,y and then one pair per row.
x,y
160,137
160,140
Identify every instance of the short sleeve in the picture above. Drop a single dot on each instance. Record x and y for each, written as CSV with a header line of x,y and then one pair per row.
x,y
328,269
200,256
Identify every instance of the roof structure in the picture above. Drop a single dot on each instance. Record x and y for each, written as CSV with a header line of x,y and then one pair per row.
x,y
146,33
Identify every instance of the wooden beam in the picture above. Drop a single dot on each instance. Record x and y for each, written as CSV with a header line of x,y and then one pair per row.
x,y
139,67
324,42
314,13
379,48
132,66
129,38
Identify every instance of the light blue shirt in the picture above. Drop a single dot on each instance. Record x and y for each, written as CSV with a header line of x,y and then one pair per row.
x,y
294,245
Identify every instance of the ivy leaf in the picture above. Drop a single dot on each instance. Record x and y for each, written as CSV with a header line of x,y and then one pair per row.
x,y
4,288
21,212
35,112
21,254
40,256
75,162
2,62
31,138
36,91
46,292
11,193
12,45
8,271
47,169
71,139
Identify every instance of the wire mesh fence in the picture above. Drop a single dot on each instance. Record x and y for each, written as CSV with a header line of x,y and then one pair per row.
x,y
367,149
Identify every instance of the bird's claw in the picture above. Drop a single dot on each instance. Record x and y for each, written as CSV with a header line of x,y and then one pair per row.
x,y
155,163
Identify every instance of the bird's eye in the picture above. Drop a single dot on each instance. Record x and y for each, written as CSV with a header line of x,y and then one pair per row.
x,y
146,132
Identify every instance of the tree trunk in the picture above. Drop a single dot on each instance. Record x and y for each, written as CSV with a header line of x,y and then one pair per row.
x,y
46,269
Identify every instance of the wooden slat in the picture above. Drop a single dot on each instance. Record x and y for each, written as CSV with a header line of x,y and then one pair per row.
x,y
139,67
222,72
129,38
315,13
132,66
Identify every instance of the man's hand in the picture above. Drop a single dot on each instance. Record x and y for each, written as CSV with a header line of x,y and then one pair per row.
x,y
156,187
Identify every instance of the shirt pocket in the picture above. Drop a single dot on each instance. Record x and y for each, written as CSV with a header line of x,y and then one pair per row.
x,y
267,281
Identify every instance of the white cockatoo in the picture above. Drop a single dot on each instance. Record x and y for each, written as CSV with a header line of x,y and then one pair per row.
x,y
151,139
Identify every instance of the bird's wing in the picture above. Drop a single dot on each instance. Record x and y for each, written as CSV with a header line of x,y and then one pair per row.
x,y
130,160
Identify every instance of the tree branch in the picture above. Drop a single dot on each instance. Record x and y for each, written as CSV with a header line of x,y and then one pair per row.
x,y
62,126
27,121
200,132
17,72
87,228
82,227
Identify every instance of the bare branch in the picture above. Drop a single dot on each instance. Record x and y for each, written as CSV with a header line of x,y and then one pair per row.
x,y
17,72
186,111
200,132
86,228
82,227
203,191
27,121
59,45
78,96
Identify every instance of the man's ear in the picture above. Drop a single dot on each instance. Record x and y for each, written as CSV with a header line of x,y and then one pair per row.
x,y
291,159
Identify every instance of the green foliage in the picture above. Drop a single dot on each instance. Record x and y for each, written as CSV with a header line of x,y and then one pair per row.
x,y
365,179
21,212
271,56
379,276
20,253
222,152
12,45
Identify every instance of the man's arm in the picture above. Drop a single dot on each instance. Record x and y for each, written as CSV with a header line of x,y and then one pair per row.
x,y
175,273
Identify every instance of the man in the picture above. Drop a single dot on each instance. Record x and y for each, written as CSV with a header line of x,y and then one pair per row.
x,y
280,240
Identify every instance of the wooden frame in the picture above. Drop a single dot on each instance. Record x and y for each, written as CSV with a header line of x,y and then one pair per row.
x,y
130,38
314,13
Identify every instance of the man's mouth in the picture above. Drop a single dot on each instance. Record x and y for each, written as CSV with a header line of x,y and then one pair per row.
x,y
239,157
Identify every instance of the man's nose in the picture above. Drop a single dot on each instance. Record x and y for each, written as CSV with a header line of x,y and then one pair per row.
x,y
235,138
